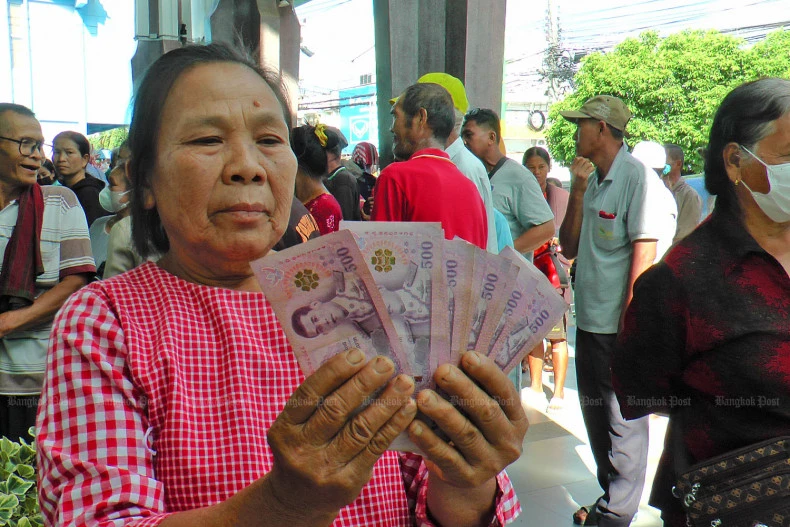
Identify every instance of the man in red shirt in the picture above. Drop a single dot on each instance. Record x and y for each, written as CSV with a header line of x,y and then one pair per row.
x,y
426,185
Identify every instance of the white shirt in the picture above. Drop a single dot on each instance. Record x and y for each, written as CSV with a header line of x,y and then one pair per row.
x,y
475,171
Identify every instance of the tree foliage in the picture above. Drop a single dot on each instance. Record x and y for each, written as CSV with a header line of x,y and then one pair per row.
x,y
108,139
673,85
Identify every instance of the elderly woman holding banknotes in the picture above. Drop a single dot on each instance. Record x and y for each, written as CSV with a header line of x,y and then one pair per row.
x,y
172,396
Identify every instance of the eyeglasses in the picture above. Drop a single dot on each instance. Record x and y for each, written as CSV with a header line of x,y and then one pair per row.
x,y
27,146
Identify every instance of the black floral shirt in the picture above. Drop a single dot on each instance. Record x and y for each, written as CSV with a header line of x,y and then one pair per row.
x,y
707,340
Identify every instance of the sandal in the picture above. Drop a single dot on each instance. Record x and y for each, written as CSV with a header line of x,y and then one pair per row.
x,y
586,516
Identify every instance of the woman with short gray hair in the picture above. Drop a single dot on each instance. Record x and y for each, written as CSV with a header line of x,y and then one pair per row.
x,y
707,335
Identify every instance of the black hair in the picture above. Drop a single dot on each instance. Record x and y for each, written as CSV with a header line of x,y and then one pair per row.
x,y
335,141
148,235
310,155
487,118
49,166
674,152
80,140
745,117
536,151
437,104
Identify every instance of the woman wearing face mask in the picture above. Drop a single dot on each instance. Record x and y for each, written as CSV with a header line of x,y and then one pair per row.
x,y
113,198
46,174
707,335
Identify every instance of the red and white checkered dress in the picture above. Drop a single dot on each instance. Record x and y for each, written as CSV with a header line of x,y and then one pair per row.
x,y
158,396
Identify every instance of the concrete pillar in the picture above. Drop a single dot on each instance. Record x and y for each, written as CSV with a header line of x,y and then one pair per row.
x,y
464,38
156,32
271,30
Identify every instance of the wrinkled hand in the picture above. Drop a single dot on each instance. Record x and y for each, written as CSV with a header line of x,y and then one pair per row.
x,y
486,426
582,168
323,452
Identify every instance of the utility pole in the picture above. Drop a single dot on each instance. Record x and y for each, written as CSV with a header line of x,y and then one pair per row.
x,y
558,67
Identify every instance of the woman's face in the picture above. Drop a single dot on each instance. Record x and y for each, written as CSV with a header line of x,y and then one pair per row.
x,y
540,169
44,176
774,149
224,174
67,158
117,179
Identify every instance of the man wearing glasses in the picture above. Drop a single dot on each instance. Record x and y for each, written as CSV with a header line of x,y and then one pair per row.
x,y
46,257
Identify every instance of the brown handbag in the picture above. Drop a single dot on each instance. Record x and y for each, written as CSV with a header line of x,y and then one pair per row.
x,y
748,487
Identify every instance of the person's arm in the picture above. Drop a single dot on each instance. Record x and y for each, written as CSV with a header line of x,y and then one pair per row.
x,y
486,438
571,227
642,257
43,308
534,237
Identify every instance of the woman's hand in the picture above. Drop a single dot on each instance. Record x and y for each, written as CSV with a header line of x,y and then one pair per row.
x,y
324,451
486,424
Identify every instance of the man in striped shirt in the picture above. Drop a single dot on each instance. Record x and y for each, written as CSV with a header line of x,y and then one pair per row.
x,y
46,257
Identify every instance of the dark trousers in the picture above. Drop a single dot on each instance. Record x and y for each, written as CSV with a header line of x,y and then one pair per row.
x,y
619,446
17,415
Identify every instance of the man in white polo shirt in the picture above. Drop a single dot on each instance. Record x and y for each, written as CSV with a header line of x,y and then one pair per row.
x,y
611,227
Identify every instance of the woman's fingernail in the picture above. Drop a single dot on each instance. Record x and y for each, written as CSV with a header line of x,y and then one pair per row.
x,y
403,383
450,375
416,428
382,365
473,358
409,408
355,356
429,399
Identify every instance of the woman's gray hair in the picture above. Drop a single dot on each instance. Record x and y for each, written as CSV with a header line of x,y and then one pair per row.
x,y
745,116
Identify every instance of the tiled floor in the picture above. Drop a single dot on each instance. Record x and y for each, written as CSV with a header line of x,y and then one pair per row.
x,y
556,473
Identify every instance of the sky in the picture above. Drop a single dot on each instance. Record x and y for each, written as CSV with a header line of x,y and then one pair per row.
x,y
340,32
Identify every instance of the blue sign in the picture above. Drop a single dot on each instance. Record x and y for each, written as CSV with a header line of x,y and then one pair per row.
x,y
358,115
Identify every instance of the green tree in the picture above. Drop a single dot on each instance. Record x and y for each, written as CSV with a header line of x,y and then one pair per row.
x,y
671,85
108,139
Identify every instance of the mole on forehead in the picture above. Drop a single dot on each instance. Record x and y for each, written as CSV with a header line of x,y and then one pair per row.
x,y
256,103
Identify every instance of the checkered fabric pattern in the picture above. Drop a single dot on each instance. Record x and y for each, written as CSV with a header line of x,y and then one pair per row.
x,y
158,396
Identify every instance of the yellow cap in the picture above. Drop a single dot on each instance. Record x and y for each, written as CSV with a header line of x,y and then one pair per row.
x,y
453,85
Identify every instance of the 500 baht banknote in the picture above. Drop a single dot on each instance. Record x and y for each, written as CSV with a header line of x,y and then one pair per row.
x,y
327,302
532,308
492,277
405,260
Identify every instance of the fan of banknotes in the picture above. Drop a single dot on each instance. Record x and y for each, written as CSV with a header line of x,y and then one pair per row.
x,y
401,290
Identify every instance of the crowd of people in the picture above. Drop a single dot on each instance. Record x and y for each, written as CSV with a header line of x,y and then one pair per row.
x,y
135,339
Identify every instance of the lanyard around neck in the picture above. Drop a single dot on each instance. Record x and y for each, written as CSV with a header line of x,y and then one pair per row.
x,y
336,172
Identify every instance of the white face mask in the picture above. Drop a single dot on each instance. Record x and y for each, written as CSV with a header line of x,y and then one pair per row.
x,y
110,200
776,203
